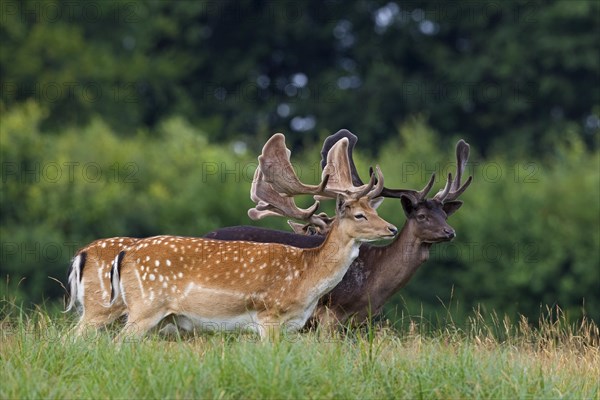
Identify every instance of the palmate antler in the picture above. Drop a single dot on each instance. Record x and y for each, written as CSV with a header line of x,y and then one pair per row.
x,y
271,203
275,183
274,162
339,167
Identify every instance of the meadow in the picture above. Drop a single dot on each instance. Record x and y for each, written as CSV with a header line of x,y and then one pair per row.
x,y
489,357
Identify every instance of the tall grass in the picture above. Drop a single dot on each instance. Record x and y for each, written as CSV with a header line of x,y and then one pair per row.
x,y
483,359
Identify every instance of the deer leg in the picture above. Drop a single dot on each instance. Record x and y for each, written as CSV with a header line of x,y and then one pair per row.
x,y
138,325
95,322
269,328
97,317
326,319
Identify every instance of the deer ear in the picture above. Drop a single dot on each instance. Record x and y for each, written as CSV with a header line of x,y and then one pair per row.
x,y
408,205
340,205
296,227
376,202
450,207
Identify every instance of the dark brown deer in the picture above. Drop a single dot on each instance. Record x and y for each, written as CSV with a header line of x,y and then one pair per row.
x,y
379,271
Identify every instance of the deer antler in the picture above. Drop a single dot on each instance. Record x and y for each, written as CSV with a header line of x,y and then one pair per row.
x,y
453,188
274,162
270,203
417,195
275,183
330,141
340,167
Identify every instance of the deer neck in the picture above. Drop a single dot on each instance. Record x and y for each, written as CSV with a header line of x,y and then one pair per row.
x,y
395,264
327,264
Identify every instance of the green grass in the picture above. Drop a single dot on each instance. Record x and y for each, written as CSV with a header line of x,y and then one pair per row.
x,y
497,359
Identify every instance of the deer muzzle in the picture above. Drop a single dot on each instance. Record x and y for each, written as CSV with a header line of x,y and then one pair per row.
x,y
450,233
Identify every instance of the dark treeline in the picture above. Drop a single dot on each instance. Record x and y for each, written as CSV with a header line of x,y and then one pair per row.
x,y
506,74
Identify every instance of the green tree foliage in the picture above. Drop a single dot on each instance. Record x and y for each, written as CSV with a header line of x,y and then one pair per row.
x,y
509,74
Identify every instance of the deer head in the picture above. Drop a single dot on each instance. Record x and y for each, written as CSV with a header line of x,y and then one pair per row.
x,y
427,217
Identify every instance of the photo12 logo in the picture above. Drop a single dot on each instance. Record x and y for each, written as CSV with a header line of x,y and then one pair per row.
x,y
39,252
68,172
54,92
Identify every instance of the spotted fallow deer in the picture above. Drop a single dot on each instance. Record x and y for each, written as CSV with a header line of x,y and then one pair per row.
x,y
262,287
379,271
89,283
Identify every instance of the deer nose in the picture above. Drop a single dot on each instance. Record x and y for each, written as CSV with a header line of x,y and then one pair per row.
x,y
450,233
393,229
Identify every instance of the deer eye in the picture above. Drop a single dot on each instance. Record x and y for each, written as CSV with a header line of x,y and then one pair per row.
x,y
360,216
421,217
